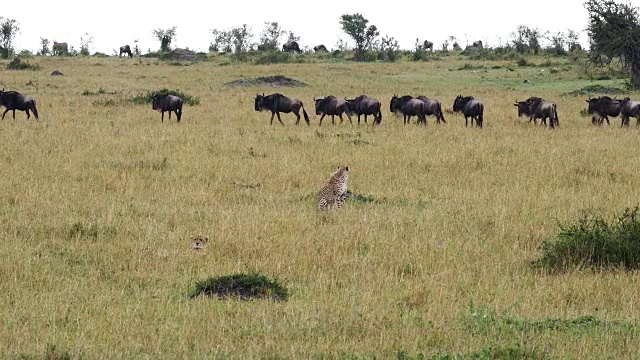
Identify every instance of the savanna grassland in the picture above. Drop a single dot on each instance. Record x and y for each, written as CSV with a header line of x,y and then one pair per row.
x,y
98,200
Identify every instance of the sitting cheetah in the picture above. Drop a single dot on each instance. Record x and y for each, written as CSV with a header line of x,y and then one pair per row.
x,y
334,192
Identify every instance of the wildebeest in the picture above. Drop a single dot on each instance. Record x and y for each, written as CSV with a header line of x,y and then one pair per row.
x,y
167,102
320,48
277,103
125,50
59,48
408,106
629,108
470,108
427,45
604,107
538,108
13,100
364,105
333,106
433,107
291,46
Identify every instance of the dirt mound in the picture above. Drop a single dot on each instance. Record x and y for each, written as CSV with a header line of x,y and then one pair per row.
x,y
271,81
596,89
182,55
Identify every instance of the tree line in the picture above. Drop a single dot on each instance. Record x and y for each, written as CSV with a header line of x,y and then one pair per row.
x,y
613,29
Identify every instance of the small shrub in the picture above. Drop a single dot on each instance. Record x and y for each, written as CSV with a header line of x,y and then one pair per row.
x,y
470,67
147,98
273,57
242,286
18,64
522,61
594,243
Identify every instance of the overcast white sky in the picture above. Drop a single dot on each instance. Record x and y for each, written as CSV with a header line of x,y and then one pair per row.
x,y
117,22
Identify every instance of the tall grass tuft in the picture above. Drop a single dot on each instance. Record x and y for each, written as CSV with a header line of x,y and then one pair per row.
x,y
595,243
243,286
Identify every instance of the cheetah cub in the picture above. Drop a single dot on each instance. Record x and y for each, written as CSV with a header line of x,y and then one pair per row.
x,y
334,192
199,242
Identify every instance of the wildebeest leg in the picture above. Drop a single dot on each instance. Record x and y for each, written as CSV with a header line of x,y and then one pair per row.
x,y
177,115
169,114
4,113
279,119
365,119
273,113
28,115
322,117
162,112
14,114
333,120
359,119
466,121
348,116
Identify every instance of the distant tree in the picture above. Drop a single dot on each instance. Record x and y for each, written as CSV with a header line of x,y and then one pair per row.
x,y
8,30
388,48
445,45
85,42
221,41
558,43
270,36
572,40
44,50
614,30
292,37
241,39
166,37
355,25
136,49
526,39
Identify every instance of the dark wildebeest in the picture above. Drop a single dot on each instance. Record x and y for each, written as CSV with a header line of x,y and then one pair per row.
x,y
427,45
59,48
408,106
167,102
125,50
543,110
291,46
13,100
538,108
333,106
277,103
629,109
364,105
433,107
604,107
320,48
470,108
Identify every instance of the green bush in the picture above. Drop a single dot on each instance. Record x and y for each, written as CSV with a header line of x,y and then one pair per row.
x,y
272,57
594,243
242,286
147,98
18,64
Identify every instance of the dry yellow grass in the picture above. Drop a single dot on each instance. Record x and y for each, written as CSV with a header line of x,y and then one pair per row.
x,y
98,204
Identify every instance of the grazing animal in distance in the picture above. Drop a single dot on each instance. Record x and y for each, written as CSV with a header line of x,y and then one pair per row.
x,y
427,45
364,105
433,107
167,102
470,108
320,48
333,106
629,108
334,193
408,106
125,50
277,103
603,107
291,46
59,48
13,100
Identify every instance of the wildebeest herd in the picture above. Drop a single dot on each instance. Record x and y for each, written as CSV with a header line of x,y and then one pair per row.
x,y
601,108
